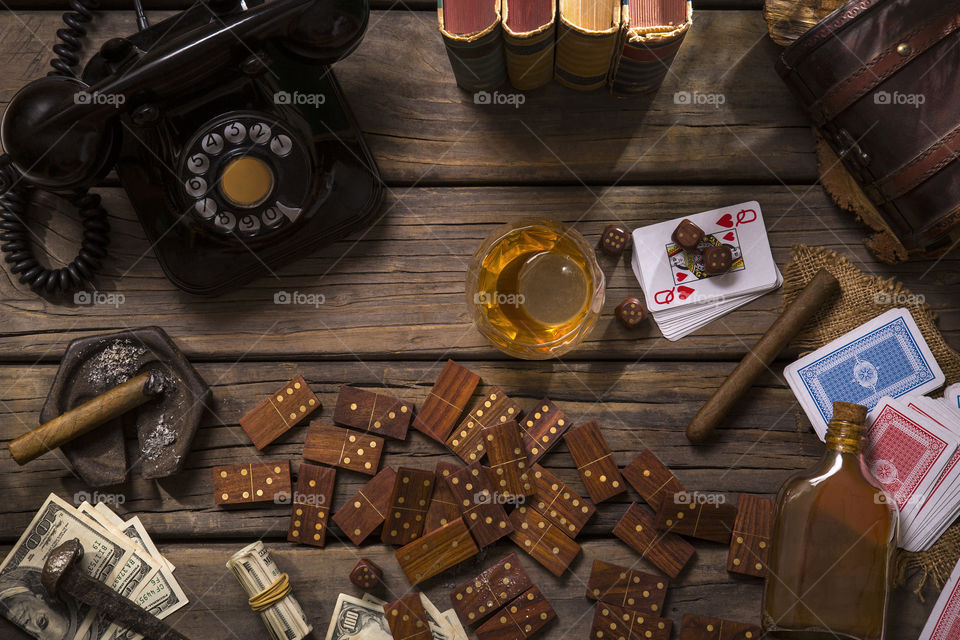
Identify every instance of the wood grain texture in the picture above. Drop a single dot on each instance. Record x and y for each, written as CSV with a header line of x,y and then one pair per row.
x,y
641,405
612,622
218,603
422,128
752,531
436,551
396,291
489,590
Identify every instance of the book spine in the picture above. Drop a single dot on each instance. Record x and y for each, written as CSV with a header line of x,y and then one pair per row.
x,y
583,58
644,59
530,57
477,59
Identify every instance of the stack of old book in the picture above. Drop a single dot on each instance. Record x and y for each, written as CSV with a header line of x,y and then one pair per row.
x,y
584,44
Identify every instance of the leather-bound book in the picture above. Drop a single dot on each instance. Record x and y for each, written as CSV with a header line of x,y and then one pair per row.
x,y
474,41
650,36
587,36
529,34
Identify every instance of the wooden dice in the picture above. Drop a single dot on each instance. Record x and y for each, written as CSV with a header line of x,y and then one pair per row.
x,y
366,575
614,240
687,235
252,482
279,412
631,313
717,259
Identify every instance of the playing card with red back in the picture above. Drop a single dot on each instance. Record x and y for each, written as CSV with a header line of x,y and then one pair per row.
x,y
906,452
944,620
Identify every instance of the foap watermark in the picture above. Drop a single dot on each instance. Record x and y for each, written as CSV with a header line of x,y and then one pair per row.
x,y
485,97
696,98
896,98
490,298
98,498
95,97
309,499
296,98
299,298
98,298
485,497
898,298
698,497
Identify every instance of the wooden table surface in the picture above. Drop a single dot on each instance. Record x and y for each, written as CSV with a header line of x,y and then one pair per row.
x,y
394,305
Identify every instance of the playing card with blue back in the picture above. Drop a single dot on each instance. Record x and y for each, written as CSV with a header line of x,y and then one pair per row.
x,y
884,357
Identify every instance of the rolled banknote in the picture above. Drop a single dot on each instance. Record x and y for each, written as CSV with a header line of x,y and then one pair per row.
x,y
256,572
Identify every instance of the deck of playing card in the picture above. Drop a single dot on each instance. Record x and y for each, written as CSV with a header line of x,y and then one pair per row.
x,y
886,356
944,620
912,449
680,295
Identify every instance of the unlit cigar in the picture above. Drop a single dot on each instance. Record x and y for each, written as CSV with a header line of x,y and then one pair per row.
x,y
87,417
814,296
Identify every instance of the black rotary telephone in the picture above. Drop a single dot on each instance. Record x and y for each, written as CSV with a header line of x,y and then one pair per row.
x,y
227,129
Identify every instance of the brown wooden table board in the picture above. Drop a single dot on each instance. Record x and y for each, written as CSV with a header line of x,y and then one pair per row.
x,y
394,307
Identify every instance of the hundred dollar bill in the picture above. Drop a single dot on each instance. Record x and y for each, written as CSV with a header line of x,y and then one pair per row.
x,y
161,596
256,571
134,529
23,600
160,593
138,568
439,625
355,619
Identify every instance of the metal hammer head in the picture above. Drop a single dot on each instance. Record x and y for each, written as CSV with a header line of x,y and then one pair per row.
x,y
59,563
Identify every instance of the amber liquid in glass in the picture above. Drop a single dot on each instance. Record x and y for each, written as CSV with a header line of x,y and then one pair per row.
x,y
831,556
534,285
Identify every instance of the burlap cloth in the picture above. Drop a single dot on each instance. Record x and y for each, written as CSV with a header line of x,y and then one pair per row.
x,y
862,298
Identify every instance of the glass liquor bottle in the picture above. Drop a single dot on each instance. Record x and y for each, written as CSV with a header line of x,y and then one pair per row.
x,y
834,536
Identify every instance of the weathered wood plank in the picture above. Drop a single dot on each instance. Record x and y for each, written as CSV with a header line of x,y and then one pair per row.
x,y
638,405
396,5
424,130
396,290
218,606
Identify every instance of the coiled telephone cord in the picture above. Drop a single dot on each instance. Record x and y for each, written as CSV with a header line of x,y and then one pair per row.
x,y
15,192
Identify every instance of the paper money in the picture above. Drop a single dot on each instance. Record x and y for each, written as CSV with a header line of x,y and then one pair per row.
x,y
23,600
355,619
340,623
161,596
256,571
134,530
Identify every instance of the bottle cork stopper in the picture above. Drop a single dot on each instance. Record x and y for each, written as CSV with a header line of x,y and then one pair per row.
x,y
849,412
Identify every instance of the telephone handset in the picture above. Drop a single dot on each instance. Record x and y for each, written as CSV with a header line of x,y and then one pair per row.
x,y
227,129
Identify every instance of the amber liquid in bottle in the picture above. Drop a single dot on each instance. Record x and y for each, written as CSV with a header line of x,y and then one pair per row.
x,y
834,537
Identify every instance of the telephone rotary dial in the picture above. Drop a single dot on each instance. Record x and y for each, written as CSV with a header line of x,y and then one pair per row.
x,y
228,175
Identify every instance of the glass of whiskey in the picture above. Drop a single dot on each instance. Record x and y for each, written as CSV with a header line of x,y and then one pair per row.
x,y
534,288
